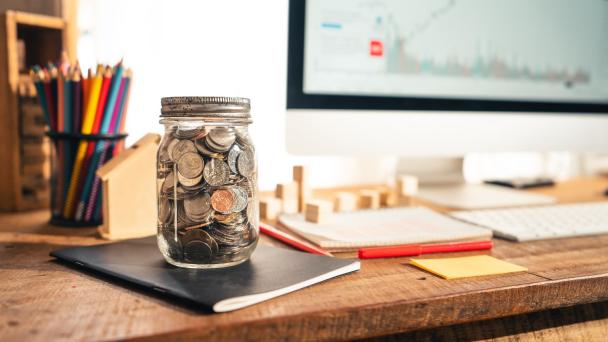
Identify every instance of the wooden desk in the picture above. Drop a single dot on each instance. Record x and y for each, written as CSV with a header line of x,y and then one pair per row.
x,y
44,300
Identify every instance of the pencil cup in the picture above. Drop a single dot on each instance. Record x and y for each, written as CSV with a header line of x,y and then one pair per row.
x,y
75,187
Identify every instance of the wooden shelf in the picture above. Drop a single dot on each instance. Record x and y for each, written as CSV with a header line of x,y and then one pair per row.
x,y
44,38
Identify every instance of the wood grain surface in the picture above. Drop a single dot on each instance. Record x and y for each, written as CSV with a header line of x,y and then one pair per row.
x,y
41,299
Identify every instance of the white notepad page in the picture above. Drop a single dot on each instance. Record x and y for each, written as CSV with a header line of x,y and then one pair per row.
x,y
383,227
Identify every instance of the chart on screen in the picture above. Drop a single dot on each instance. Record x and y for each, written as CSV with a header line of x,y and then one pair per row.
x,y
478,49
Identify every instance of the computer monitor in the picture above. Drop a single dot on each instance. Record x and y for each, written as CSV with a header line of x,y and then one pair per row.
x,y
445,77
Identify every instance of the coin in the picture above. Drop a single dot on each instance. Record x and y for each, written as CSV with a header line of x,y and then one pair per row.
x,y
252,212
223,200
181,147
240,198
197,252
168,183
163,150
245,163
199,236
242,137
187,132
221,139
190,183
216,172
198,207
171,147
190,165
201,146
234,153
164,210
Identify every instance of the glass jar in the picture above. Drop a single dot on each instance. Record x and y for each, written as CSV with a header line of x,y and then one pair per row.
x,y
206,182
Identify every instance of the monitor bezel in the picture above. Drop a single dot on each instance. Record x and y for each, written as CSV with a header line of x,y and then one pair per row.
x,y
297,99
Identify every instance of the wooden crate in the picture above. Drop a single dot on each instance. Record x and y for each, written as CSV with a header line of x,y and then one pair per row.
x,y
22,144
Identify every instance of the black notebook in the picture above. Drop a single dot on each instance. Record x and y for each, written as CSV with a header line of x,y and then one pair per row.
x,y
271,272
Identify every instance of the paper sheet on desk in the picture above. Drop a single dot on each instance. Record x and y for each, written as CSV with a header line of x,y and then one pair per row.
x,y
391,226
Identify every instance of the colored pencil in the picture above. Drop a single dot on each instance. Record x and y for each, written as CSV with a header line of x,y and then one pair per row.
x,y
123,111
92,155
73,104
49,103
41,95
76,107
67,127
87,126
92,209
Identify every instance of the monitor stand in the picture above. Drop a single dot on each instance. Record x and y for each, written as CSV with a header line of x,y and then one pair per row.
x,y
442,182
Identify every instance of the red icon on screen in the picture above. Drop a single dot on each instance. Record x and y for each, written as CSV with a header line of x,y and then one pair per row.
x,y
376,48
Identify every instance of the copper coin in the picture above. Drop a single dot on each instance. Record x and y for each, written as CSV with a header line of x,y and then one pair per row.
x,y
222,200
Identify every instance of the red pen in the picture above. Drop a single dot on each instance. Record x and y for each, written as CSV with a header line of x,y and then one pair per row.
x,y
292,240
415,250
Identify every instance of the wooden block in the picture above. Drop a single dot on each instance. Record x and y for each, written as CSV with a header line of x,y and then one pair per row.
x,y
288,193
369,199
345,201
407,185
388,198
270,208
300,176
318,211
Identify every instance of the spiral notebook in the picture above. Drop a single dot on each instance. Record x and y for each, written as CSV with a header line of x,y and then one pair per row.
x,y
383,227
271,272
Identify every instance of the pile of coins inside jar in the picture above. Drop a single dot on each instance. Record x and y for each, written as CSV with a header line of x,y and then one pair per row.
x,y
207,213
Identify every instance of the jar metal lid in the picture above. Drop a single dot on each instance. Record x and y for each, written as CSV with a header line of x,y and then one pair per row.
x,y
205,106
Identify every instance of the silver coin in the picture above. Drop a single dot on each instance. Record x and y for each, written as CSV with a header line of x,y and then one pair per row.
x,y
199,235
187,132
242,137
163,150
234,153
197,252
246,163
168,183
190,165
164,210
221,138
171,148
252,212
246,184
190,184
241,198
216,172
181,147
198,207
202,148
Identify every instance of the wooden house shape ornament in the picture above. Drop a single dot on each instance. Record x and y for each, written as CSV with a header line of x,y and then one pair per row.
x,y
129,191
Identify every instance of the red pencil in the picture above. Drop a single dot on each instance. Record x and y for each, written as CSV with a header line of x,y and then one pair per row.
x,y
415,250
291,240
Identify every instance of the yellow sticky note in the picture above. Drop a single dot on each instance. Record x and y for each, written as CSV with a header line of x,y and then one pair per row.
x,y
470,266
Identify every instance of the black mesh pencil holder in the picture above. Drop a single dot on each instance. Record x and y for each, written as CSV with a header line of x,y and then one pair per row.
x,y
75,187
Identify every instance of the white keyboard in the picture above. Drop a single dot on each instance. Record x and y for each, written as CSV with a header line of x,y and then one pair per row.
x,y
543,222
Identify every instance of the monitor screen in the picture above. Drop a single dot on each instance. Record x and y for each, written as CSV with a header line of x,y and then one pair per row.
x,y
448,54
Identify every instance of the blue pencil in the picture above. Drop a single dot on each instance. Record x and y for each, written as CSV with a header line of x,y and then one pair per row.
x,y
41,96
106,119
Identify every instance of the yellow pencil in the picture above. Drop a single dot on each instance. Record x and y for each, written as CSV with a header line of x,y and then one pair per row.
x,y
87,127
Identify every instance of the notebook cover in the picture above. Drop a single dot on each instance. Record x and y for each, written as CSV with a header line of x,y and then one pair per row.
x,y
269,273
